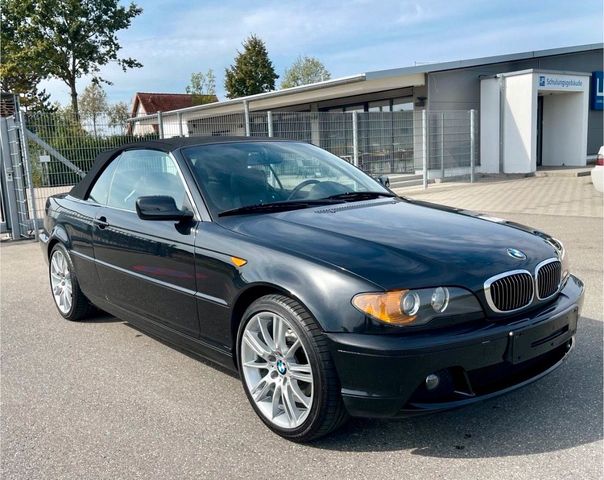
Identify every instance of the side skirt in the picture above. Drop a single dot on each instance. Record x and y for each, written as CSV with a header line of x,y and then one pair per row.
x,y
197,347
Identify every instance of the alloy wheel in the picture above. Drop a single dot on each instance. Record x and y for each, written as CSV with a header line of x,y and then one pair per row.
x,y
60,282
276,370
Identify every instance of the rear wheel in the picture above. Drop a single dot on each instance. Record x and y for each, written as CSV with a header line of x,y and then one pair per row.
x,y
287,371
69,299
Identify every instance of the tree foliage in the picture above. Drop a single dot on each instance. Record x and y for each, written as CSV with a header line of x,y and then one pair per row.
x,y
303,71
118,113
25,85
64,39
253,72
93,103
202,83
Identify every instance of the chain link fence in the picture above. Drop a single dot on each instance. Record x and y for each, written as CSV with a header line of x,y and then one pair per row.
x,y
59,148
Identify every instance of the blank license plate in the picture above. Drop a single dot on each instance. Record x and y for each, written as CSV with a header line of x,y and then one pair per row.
x,y
537,340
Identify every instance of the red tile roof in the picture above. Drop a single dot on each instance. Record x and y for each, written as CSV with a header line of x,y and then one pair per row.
x,y
163,102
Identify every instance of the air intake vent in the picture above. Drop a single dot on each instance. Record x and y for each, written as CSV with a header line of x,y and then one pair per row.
x,y
353,206
548,278
510,291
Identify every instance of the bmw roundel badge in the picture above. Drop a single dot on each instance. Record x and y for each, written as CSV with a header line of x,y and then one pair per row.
x,y
515,253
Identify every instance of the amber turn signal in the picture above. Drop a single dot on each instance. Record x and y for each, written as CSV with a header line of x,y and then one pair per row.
x,y
385,307
238,262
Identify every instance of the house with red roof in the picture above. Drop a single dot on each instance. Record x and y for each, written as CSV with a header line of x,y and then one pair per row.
x,y
145,103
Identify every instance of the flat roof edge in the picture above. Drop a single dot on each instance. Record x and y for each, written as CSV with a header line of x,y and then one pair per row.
x,y
538,70
475,62
260,96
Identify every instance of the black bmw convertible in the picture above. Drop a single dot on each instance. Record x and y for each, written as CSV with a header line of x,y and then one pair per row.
x,y
329,295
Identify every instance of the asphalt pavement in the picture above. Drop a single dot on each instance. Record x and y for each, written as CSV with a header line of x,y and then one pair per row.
x,y
100,399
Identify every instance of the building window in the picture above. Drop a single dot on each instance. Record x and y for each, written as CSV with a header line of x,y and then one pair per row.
x,y
380,106
355,108
402,104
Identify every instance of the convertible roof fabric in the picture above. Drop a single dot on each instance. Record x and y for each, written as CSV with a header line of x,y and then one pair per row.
x,y
165,145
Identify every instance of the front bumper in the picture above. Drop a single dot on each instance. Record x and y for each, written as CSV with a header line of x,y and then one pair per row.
x,y
384,375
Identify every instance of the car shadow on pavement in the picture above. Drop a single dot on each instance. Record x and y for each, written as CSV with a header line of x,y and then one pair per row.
x,y
99,316
560,411
189,354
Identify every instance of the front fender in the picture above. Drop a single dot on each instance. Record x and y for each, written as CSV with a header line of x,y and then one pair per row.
x,y
325,291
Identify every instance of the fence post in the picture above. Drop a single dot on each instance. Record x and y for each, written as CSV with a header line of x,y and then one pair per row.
x,y
160,125
355,139
246,114
179,120
425,149
442,146
11,210
19,185
27,164
472,144
269,122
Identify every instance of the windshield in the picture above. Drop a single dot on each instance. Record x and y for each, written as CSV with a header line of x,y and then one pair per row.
x,y
241,174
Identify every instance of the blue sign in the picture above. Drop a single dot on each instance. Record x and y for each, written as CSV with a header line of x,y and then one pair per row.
x,y
597,91
542,80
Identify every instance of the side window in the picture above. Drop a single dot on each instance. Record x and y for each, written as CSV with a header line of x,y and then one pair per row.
x,y
141,173
100,190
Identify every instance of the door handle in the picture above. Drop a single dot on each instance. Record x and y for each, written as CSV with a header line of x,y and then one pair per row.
x,y
101,222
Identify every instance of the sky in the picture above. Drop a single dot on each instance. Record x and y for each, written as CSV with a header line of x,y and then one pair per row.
x,y
173,39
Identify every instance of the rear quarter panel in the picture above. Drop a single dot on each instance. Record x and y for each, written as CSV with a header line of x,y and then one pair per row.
x,y
69,221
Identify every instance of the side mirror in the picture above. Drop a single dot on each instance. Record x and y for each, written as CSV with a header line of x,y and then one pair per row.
x,y
384,180
160,207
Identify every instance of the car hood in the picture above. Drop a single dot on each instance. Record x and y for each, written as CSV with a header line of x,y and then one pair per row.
x,y
396,243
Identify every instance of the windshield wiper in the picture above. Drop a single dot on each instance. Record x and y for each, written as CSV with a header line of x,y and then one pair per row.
x,y
276,206
354,196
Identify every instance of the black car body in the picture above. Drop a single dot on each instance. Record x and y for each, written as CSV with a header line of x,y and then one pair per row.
x,y
184,279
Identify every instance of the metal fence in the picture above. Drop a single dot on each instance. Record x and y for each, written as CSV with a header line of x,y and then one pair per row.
x,y
377,142
56,150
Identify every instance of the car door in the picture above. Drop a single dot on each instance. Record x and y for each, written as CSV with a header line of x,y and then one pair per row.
x,y
147,266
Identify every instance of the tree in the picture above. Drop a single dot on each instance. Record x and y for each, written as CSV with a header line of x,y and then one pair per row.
x,y
118,114
202,83
15,79
202,87
26,87
64,39
93,103
303,71
252,73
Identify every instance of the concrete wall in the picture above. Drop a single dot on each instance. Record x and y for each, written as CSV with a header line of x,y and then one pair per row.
x,y
563,126
520,124
460,89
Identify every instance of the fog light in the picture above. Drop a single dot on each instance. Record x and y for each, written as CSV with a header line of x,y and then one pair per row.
x,y
440,299
432,381
410,303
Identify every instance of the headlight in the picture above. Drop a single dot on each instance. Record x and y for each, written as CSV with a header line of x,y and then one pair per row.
x,y
440,299
416,307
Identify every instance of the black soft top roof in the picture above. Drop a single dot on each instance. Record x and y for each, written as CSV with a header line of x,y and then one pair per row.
x,y
165,145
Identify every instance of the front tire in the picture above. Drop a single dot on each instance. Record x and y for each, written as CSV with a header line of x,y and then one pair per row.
x,y
71,303
287,371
